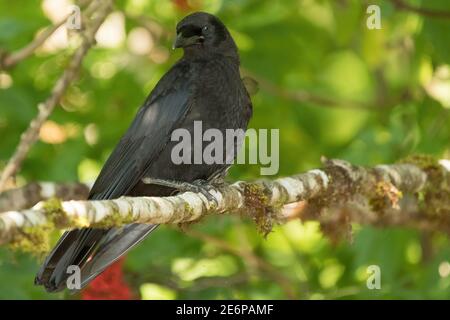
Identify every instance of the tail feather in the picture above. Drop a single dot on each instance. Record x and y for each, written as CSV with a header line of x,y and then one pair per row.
x,y
92,250
49,265
115,246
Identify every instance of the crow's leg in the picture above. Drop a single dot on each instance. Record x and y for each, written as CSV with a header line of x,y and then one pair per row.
x,y
198,186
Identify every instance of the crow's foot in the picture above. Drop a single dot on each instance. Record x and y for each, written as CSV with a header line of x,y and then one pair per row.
x,y
198,186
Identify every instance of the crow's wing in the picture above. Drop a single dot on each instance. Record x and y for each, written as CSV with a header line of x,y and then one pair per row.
x,y
146,137
95,249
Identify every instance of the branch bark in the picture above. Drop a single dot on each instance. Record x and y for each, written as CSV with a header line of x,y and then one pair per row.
x,y
410,194
27,196
30,136
432,13
10,60
303,96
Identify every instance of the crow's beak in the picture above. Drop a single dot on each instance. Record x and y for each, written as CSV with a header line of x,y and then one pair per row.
x,y
182,42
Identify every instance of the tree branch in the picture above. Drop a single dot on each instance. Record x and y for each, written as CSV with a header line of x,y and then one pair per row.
x,y
27,196
381,102
432,13
301,96
400,194
10,60
30,136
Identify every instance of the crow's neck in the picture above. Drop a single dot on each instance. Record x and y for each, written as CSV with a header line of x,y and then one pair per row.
x,y
198,52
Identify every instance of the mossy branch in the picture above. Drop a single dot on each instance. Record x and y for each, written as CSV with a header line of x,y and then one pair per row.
x,y
412,193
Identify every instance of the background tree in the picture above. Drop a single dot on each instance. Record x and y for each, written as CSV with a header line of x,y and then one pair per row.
x,y
332,86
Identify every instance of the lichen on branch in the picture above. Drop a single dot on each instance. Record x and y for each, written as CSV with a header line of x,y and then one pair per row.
x,y
410,194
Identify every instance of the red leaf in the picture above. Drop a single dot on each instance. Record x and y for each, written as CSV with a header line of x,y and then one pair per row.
x,y
109,285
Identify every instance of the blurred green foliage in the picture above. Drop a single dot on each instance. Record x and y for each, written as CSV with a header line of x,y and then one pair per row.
x,y
386,96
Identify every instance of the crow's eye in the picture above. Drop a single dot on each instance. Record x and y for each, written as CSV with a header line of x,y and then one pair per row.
x,y
205,28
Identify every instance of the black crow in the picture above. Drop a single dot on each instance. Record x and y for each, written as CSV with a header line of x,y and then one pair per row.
x,y
204,85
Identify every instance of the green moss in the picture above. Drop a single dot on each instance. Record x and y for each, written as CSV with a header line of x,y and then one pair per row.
x,y
434,198
257,206
188,209
115,219
386,196
423,161
34,240
255,196
54,212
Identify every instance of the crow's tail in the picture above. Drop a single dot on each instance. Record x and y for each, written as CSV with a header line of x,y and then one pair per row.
x,y
92,250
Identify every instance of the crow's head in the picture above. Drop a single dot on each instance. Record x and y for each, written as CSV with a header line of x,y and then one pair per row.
x,y
202,32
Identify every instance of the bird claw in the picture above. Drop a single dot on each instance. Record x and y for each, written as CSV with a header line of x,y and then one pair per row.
x,y
198,186
203,187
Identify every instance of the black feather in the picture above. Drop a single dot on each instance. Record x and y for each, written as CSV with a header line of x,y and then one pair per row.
x,y
204,85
